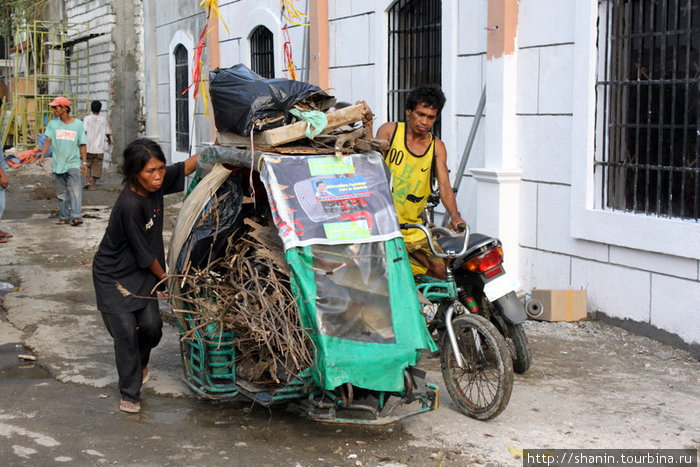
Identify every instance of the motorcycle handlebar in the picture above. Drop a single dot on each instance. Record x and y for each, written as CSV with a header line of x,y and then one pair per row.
x,y
431,243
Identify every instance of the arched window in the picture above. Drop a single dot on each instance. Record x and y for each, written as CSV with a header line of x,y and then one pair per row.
x,y
415,48
262,52
182,105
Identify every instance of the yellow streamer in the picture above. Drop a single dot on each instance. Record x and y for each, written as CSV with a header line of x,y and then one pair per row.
x,y
290,13
292,70
205,92
214,5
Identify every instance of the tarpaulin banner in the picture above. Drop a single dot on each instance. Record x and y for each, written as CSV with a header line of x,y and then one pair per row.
x,y
330,199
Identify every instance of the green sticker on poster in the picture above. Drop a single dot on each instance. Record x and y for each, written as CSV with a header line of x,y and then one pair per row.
x,y
331,165
352,230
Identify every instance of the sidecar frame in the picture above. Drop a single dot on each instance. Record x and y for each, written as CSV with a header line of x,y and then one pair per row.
x,y
209,363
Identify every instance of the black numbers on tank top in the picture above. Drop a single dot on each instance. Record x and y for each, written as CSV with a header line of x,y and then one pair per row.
x,y
395,157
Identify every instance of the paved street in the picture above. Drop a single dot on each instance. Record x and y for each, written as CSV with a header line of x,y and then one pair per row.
x,y
591,385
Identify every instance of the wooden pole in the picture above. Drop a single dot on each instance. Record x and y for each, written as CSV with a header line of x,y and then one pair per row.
x,y
318,43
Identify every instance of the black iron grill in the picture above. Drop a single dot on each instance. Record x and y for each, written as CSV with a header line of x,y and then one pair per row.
x,y
415,52
182,102
648,107
262,52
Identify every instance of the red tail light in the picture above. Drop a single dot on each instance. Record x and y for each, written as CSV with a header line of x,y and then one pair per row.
x,y
486,261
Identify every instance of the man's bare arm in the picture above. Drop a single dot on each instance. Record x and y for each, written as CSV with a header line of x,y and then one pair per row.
x,y
44,151
447,195
386,131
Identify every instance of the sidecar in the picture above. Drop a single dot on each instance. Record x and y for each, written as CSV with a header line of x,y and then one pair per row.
x,y
284,295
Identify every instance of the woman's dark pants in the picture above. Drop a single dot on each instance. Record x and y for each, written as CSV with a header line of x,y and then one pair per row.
x,y
135,334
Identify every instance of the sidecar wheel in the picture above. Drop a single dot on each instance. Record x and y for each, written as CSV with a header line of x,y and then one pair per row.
x,y
481,389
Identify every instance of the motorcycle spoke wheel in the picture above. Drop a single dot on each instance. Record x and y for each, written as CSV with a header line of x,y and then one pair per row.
x,y
481,388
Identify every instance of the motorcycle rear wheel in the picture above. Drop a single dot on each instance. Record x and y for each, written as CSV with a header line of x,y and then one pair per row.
x,y
482,388
519,347
518,343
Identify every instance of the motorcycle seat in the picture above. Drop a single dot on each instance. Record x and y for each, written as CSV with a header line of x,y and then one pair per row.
x,y
455,243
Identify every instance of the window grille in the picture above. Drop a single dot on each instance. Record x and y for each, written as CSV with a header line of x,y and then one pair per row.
x,y
182,102
262,52
415,48
649,106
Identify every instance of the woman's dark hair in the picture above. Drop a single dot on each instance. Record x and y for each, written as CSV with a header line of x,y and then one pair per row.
x,y
95,106
429,95
136,156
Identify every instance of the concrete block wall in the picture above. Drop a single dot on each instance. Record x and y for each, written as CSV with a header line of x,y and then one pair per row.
x,y
184,19
653,293
656,290
98,16
352,51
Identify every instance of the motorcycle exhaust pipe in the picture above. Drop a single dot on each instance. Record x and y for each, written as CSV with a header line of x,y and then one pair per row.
x,y
534,308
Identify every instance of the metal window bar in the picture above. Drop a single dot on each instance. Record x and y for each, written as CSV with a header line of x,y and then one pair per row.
x,y
415,52
182,102
649,120
262,52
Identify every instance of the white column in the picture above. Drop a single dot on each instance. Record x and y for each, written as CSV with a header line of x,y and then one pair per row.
x,y
498,183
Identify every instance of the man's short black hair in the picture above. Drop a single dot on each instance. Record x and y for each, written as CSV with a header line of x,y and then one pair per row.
x,y
95,106
426,94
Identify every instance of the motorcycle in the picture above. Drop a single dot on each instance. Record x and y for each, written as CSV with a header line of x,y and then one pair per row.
x,y
476,365
484,286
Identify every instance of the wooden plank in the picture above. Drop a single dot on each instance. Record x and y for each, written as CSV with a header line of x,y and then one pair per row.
x,y
294,132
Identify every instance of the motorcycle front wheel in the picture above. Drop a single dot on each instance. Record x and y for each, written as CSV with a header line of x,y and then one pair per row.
x,y
481,387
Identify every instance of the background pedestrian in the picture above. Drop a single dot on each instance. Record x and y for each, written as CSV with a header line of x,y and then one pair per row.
x,y
96,130
66,135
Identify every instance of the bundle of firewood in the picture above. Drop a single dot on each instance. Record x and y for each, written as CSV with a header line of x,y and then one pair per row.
x,y
247,293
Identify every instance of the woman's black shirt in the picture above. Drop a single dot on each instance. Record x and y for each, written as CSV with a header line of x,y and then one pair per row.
x,y
133,239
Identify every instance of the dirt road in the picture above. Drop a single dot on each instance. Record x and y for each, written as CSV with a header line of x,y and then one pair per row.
x,y
590,386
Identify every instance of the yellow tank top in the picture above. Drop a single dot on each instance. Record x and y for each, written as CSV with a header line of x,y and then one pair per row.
x,y
410,184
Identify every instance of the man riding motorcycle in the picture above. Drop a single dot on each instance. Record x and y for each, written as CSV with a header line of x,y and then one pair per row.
x,y
413,155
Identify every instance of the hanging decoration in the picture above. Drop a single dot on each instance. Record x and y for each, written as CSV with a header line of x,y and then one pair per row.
x,y
197,76
293,16
288,62
213,5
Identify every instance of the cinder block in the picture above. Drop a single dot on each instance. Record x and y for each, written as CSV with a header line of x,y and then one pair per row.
x,y
561,305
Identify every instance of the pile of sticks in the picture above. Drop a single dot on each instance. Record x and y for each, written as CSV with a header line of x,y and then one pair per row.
x,y
247,293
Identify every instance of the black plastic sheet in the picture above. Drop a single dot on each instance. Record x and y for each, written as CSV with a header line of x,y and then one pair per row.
x,y
240,97
209,237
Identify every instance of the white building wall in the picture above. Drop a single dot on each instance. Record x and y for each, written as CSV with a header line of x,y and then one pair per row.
x,y
183,20
561,243
97,14
564,245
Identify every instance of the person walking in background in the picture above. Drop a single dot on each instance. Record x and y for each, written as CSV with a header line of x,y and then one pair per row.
x,y
4,183
130,262
96,130
67,136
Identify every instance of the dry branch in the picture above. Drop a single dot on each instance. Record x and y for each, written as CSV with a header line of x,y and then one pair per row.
x,y
247,295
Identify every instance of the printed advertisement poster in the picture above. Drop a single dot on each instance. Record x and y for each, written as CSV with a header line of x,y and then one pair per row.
x,y
329,199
